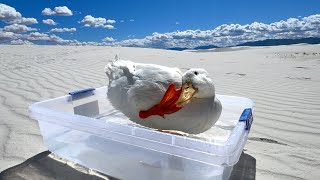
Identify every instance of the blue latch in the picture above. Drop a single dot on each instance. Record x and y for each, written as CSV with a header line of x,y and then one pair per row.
x,y
247,117
81,93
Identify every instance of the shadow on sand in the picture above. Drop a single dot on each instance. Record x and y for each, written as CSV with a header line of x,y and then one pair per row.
x,y
245,169
42,166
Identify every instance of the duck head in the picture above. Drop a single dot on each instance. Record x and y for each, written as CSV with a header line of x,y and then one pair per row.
x,y
195,84
198,79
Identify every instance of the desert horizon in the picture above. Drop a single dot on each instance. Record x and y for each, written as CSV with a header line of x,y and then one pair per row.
x,y
220,90
283,82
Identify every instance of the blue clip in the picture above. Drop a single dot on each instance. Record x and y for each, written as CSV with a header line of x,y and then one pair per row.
x,y
247,117
81,93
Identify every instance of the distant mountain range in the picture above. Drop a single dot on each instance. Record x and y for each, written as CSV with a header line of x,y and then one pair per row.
x,y
205,47
196,48
177,49
267,42
276,42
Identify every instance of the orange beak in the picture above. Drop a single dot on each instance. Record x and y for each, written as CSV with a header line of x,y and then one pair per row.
x,y
172,101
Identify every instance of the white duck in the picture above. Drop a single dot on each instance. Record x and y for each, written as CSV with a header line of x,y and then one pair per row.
x,y
135,88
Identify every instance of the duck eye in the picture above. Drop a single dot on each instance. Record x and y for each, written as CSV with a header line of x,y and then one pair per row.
x,y
196,72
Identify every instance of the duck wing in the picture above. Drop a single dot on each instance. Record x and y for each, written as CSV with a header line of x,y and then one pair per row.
x,y
135,86
151,84
166,106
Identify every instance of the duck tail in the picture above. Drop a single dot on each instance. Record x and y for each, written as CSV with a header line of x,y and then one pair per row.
x,y
119,68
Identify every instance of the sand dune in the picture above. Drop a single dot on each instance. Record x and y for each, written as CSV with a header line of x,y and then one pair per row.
x,y
283,81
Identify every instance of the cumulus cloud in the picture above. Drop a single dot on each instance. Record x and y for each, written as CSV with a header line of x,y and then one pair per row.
x,y
53,39
131,20
63,30
110,21
89,43
11,16
8,13
58,40
24,21
49,22
14,38
232,34
18,28
57,11
108,39
6,36
108,26
36,36
21,42
90,21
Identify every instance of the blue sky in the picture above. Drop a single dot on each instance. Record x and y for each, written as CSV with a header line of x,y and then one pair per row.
x,y
163,17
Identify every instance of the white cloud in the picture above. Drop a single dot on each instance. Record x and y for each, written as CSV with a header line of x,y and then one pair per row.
x,y
53,39
49,22
90,21
13,38
131,20
21,42
36,36
63,30
8,13
18,28
77,43
231,34
108,39
108,26
58,40
121,21
47,12
110,21
24,21
89,43
6,36
177,23
57,11
11,16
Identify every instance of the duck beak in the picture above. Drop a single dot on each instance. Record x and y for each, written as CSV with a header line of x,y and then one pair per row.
x,y
187,93
172,101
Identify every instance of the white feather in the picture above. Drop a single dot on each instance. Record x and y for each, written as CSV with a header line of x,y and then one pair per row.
x,y
135,86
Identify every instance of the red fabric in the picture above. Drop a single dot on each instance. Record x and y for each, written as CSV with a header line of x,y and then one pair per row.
x,y
167,104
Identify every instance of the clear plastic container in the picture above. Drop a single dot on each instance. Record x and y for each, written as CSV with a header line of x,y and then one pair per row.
x,y
84,128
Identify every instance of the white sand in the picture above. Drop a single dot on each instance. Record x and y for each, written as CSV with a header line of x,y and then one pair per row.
x,y
283,81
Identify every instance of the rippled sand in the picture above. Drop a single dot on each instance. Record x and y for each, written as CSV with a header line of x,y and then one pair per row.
x,y
283,81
